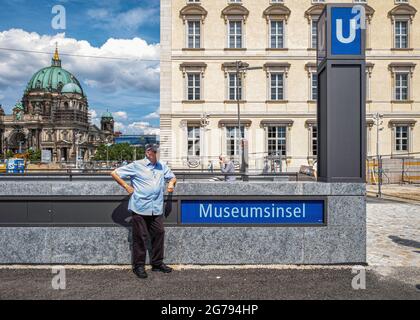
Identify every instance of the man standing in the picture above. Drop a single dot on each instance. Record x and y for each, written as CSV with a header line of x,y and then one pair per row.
x,y
148,177
227,166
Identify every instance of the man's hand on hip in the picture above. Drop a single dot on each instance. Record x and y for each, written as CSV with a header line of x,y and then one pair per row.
x,y
129,189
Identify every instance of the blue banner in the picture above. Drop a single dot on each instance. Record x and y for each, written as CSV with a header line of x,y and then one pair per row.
x,y
346,33
252,212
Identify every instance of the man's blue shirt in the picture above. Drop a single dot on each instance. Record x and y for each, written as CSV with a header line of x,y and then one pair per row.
x,y
148,181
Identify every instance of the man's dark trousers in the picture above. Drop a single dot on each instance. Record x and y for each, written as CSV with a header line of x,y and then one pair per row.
x,y
142,227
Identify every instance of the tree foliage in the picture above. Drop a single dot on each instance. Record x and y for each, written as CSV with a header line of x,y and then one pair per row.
x,y
118,152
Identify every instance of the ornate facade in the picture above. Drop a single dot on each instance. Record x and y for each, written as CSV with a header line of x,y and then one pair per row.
x,y
201,40
54,116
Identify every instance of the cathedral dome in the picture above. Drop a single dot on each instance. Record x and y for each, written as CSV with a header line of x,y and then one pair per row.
x,y
54,79
107,115
71,88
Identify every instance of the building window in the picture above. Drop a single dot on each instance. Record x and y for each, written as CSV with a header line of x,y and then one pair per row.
x,y
277,86
193,141
276,141
277,34
401,86
193,86
314,140
232,141
235,34
314,86
401,138
235,87
194,34
193,1
401,34
314,33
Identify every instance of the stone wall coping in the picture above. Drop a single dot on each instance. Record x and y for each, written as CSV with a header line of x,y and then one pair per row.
x,y
95,187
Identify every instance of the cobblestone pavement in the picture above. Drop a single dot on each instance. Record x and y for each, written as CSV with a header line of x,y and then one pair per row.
x,y
393,234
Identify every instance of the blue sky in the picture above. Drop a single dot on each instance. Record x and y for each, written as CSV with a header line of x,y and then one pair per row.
x,y
125,30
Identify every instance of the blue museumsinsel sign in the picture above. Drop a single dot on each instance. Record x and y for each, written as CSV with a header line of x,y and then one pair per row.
x,y
252,212
346,32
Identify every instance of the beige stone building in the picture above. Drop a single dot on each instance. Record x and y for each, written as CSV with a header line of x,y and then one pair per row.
x,y
202,39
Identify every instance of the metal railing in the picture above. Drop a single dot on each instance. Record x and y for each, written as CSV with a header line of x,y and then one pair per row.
x,y
181,176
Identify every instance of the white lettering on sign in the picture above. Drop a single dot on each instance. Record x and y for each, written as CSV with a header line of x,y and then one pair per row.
x,y
351,37
220,212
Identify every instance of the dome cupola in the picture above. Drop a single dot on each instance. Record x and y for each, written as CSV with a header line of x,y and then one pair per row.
x,y
54,79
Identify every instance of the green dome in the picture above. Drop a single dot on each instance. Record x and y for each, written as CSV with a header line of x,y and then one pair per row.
x,y
107,115
52,79
71,88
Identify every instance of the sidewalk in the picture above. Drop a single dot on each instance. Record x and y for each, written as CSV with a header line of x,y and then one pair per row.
x,y
393,251
407,192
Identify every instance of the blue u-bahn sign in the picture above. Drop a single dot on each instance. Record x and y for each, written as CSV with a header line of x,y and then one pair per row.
x,y
341,32
346,32
253,212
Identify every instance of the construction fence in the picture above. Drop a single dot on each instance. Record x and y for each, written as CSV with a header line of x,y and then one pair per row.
x,y
391,170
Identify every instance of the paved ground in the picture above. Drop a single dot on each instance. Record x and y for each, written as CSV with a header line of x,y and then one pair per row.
x,y
393,234
393,272
407,192
328,283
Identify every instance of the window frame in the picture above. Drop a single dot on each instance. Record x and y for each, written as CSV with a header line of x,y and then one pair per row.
x,y
196,141
194,35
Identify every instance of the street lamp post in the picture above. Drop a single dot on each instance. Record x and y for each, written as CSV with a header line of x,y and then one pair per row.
x,y
240,68
378,123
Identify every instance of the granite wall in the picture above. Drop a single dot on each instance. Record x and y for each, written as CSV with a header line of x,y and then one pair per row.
x,y
342,240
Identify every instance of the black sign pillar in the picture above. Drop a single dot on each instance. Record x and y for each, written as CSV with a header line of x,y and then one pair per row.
x,y
341,94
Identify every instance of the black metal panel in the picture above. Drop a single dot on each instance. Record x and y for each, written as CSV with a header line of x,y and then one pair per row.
x,y
73,211
108,211
13,212
40,211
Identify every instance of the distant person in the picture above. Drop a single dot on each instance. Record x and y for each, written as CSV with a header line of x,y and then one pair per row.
x,y
210,166
148,177
266,167
227,166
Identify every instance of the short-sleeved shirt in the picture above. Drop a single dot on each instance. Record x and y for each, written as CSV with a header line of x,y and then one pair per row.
x,y
148,181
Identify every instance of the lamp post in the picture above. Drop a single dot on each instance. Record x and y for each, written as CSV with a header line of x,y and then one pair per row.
x,y
240,68
204,123
378,123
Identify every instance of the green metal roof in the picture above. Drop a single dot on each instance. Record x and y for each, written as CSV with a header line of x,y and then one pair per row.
x,y
71,88
52,79
107,115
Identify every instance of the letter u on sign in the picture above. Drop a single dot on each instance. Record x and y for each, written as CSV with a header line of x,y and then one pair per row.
x,y
339,31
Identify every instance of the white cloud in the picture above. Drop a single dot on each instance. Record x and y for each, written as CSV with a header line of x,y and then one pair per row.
x,y
141,127
95,118
120,115
129,20
106,75
93,113
153,115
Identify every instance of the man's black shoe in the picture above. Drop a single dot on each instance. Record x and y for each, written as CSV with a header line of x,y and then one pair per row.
x,y
140,272
162,268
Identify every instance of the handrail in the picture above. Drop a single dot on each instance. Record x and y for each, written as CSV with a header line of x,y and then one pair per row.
x,y
182,176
